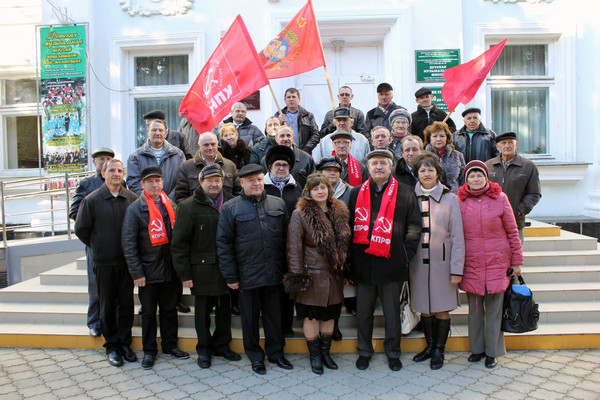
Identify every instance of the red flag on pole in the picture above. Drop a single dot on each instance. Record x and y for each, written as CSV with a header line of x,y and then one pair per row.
x,y
296,49
232,72
463,81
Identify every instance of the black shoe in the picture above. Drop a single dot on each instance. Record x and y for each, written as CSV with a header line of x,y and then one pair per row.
x,y
176,353
490,362
363,362
476,357
394,363
148,361
337,334
289,333
204,361
115,359
128,354
259,367
95,332
235,310
283,363
228,355
182,307
140,311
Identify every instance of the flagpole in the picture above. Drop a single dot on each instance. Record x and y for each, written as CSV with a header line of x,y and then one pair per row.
x,y
324,62
275,98
449,114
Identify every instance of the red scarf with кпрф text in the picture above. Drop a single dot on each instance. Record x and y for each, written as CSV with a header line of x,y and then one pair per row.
x,y
156,227
381,237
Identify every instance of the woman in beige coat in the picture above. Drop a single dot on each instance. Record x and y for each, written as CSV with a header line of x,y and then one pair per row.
x,y
437,268
317,244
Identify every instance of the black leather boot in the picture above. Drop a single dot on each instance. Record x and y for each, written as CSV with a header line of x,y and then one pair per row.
x,y
314,351
428,325
325,347
337,334
442,329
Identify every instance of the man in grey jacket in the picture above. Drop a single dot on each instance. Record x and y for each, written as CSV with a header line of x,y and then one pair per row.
x,y
518,177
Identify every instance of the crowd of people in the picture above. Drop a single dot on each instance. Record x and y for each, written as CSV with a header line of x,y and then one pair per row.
x,y
297,221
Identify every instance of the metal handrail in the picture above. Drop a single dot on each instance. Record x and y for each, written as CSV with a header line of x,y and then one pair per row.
x,y
41,182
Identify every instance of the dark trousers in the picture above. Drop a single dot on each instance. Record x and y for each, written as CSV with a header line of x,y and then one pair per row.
x,y
93,313
366,297
287,311
253,302
115,298
164,295
219,340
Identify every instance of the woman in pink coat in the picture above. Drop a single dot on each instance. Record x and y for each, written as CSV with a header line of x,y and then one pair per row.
x,y
492,247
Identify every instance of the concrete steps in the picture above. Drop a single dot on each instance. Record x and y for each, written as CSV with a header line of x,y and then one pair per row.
x,y
561,268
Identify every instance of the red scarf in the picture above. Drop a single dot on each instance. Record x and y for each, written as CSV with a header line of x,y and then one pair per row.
x,y
381,237
354,174
156,227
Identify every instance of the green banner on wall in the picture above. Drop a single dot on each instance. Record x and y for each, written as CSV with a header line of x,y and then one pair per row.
x,y
431,64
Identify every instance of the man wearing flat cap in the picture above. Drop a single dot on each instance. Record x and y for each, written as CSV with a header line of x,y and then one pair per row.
x,y
342,119
332,168
380,114
176,138
345,97
251,247
386,226
194,252
147,237
427,113
518,177
474,140
100,156
354,172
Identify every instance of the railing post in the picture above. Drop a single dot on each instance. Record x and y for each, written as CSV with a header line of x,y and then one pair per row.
x,y
3,216
68,193
52,213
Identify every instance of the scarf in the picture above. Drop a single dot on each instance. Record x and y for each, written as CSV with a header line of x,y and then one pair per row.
x,y
156,227
381,237
279,183
218,202
354,174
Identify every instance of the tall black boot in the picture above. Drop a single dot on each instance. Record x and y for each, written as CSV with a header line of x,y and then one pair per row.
x,y
325,347
442,328
314,350
337,334
428,325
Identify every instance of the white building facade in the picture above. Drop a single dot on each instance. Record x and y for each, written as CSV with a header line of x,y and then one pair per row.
x,y
144,54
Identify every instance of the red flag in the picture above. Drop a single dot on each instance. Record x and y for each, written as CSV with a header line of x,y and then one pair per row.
x,y
296,49
463,81
232,72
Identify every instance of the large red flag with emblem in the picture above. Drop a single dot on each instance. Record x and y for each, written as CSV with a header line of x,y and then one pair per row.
x,y
463,81
232,72
296,49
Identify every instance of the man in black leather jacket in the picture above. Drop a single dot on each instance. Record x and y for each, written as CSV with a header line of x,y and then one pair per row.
x,y
474,140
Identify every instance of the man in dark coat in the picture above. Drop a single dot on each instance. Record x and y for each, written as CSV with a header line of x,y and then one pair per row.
x,y
427,113
518,177
379,116
98,225
100,156
146,235
345,97
302,121
411,147
247,132
252,257
386,226
194,253
473,139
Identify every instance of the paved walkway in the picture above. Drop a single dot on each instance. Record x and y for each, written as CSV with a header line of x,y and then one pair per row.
x,y
85,374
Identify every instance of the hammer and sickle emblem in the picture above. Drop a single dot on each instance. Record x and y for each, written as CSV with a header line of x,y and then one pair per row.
x,y
301,22
157,225
361,214
386,225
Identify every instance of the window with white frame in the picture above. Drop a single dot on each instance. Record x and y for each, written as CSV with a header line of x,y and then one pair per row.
x,y
18,118
521,85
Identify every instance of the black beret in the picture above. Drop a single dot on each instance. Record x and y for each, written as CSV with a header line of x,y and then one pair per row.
x,y
341,134
102,150
385,153
471,110
342,112
151,171
422,92
384,87
330,162
281,153
506,135
155,114
250,169
211,170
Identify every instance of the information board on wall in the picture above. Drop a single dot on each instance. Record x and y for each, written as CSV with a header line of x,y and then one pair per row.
x,y
431,64
437,98
63,68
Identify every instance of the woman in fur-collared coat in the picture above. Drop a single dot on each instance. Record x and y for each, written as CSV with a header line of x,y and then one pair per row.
x,y
317,244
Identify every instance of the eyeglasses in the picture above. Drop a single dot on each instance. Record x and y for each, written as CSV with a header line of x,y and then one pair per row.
x,y
345,94
342,143
281,165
